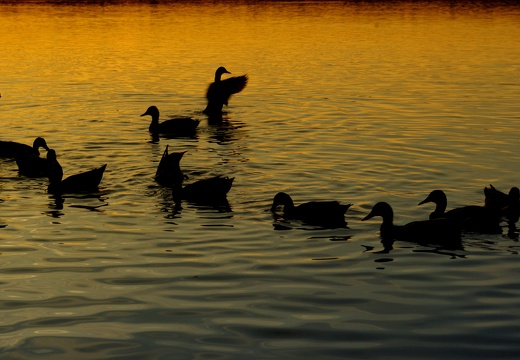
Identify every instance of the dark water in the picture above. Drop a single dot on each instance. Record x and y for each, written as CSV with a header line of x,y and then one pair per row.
x,y
358,102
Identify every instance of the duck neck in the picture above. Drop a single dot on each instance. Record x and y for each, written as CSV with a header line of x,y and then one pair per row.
x,y
440,207
218,75
36,149
154,125
288,207
387,226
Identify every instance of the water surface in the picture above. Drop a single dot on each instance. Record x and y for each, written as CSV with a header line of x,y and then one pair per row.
x,y
356,102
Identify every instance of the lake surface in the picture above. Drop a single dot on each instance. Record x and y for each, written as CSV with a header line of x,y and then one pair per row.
x,y
355,102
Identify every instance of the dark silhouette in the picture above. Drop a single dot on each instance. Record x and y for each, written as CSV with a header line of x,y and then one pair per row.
x,y
11,149
85,181
169,171
184,126
443,231
473,217
208,191
507,205
220,91
324,213
32,165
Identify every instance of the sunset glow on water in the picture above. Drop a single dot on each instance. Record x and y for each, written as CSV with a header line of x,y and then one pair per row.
x,y
358,102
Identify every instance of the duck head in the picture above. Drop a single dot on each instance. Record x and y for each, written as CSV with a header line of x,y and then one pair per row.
x,y
282,199
382,209
152,111
221,70
51,155
38,143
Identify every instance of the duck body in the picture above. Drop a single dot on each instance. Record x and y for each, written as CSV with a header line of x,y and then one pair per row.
x,y
472,217
326,213
436,231
175,126
219,92
507,204
81,182
210,190
169,171
12,149
31,165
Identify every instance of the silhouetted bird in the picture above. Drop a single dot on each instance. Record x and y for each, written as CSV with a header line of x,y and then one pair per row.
x,y
507,204
473,217
210,190
169,171
31,165
11,149
437,231
85,181
327,213
179,125
220,91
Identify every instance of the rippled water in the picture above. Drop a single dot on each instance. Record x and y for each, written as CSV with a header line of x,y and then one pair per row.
x,y
358,102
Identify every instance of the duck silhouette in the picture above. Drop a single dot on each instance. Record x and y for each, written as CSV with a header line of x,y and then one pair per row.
x,y
507,204
31,165
437,231
211,190
472,217
169,171
220,91
325,213
82,182
12,149
176,126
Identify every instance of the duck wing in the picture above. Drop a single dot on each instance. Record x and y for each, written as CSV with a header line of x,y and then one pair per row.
x,y
85,181
181,125
443,231
11,149
322,212
31,165
219,92
208,190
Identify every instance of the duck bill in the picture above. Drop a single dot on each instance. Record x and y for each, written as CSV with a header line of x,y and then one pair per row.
x,y
369,216
427,200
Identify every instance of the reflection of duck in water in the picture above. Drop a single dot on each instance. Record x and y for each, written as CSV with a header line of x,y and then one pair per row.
x,y
220,91
176,126
328,213
11,149
437,231
85,181
472,217
210,190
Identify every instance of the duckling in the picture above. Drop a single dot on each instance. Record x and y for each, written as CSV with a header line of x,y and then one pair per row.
x,y
220,91
328,213
473,217
439,231
180,125
11,149
85,181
